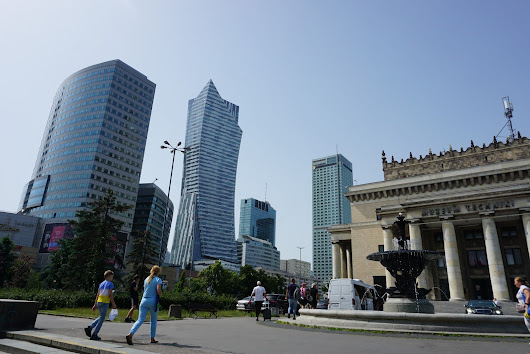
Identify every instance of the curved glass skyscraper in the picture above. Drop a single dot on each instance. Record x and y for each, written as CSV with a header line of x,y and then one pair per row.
x,y
205,220
94,141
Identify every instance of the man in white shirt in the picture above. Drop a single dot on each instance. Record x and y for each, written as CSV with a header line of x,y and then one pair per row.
x,y
259,294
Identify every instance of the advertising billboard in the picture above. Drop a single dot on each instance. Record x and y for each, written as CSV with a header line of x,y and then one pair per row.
x,y
52,234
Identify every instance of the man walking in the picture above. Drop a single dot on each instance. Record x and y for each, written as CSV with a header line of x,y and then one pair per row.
x,y
104,297
259,294
292,294
133,294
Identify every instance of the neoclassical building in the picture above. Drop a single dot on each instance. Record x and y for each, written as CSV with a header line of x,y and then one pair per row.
x,y
471,205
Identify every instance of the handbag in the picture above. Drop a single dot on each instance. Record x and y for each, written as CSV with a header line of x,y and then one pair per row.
x,y
519,307
113,314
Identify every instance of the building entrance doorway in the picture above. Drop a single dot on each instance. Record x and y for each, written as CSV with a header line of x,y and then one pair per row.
x,y
481,289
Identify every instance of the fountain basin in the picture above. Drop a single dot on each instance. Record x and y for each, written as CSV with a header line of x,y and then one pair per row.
x,y
408,305
413,322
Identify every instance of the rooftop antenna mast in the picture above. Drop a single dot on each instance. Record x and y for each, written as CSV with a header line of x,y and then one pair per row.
x,y
508,113
265,191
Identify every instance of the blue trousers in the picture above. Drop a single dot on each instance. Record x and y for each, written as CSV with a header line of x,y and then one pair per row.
x,y
103,307
147,305
292,307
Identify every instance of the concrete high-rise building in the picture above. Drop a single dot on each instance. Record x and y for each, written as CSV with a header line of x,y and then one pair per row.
x,y
205,220
257,219
331,176
151,205
94,141
296,267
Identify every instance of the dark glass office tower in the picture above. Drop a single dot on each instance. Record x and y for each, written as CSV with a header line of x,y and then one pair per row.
x,y
149,212
94,141
257,219
205,220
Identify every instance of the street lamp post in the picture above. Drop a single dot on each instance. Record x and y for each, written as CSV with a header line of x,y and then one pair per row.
x,y
300,248
173,150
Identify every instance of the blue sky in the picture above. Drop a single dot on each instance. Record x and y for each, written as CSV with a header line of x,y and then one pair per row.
x,y
310,77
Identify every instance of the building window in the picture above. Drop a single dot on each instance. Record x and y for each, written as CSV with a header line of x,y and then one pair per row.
x,y
513,256
381,248
439,237
509,232
477,258
441,262
471,234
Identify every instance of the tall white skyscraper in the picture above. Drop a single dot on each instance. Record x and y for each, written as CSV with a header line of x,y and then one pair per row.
x,y
205,221
331,176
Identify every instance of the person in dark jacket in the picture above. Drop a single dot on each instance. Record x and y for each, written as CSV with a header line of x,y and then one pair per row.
x,y
133,294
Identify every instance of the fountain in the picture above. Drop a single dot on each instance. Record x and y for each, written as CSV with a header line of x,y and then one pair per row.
x,y
405,265
406,308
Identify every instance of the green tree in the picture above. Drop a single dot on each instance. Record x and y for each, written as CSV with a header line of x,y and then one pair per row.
x,y
219,281
142,252
247,280
276,284
21,271
7,259
81,261
58,273
181,284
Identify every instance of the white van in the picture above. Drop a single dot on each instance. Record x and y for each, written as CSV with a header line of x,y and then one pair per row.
x,y
350,294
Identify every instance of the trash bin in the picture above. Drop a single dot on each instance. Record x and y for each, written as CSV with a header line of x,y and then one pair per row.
x,y
175,311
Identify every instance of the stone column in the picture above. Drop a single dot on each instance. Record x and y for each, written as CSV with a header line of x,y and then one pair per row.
x,y
454,273
417,244
335,259
388,236
526,225
499,285
343,268
348,263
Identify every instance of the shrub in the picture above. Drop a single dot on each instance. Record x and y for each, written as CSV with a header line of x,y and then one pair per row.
x,y
52,299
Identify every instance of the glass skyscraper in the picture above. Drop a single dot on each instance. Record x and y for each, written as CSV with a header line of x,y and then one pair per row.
x,y
149,212
331,176
257,219
205,219
94,141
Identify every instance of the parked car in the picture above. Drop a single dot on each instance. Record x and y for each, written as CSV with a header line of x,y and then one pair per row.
x,y
322,304
243,304
278,300
483,307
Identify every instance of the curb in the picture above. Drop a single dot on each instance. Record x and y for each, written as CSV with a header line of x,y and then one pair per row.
x,y
301,324
80,346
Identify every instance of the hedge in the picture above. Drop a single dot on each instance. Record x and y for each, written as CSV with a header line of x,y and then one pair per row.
x,y
52,299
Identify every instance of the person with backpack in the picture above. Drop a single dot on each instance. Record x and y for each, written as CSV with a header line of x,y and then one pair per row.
x,y
293,295
302,303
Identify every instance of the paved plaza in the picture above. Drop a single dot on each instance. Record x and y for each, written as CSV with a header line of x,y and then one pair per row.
x,y
245,335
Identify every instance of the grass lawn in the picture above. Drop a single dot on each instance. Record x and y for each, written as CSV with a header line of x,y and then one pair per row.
x,y
163,315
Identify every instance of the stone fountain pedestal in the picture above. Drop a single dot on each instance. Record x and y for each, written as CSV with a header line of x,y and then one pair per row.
x,y
408,305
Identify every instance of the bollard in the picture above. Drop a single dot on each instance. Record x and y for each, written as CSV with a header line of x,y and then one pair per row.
x,y
175,311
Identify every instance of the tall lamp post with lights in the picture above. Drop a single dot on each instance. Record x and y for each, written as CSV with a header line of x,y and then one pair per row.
x,y
173,150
